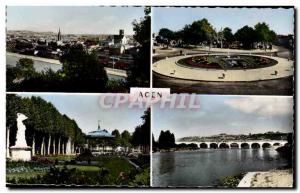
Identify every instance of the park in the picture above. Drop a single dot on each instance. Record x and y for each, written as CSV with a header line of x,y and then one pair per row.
x,y
46,147
198,58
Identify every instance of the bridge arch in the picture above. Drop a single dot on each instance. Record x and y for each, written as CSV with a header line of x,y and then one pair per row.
x,y
277,144
266,145
203,145
245,146
234,145
223,146
213,145
255,145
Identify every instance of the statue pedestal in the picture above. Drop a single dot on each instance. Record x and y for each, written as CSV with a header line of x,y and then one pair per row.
x,y
20,153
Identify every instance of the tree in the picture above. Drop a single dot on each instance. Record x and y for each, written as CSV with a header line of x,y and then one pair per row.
x,y
167,35
117,140
126,138
116,133
247,36
139,71
83,70
227,34
44,120
141,135
24,69
166,140
198,32
264,34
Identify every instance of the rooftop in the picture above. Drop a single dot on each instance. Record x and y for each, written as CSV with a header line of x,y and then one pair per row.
x,y
100,133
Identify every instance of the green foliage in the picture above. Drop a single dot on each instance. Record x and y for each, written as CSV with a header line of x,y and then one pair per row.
x,y
115,86
228,36
141,135
80,66
43,120
142,179
166,34
81,72
166,140
247,36
25,65
201,31
198,32
264,34
126,138
231,181
139,71
106,170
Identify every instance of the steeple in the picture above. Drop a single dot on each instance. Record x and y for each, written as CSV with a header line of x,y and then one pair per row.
x,y
99,125
59,35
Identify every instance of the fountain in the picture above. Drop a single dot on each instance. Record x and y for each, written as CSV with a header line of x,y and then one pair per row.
x,y
21,151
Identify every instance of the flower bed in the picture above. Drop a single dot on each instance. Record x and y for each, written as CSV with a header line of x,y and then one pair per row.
x,y
236,62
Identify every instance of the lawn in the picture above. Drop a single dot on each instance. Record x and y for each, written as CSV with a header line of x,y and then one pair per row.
x,y
82,167
114,164
59,157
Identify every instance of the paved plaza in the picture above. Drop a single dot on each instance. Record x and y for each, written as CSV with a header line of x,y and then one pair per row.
x,y
170,68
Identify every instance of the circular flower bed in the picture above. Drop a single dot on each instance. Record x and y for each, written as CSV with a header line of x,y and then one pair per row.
x,y
233,62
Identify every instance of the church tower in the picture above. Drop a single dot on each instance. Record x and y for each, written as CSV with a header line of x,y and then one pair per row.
x,y
59,35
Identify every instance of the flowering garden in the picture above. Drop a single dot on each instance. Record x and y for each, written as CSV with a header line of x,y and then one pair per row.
x,y
88,170
235,62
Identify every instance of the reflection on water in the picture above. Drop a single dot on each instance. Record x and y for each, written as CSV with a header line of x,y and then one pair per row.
x,y
44,66
206,167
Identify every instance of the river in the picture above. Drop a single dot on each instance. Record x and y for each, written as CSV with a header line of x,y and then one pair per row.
x,y
11,60
206,166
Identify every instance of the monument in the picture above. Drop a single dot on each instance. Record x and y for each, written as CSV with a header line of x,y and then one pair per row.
x,y
20,151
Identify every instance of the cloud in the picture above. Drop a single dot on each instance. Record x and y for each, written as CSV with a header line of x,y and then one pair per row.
x,y
268,106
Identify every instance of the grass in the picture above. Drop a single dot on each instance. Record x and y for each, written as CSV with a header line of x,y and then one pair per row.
x,y
115,165
59,157
82,168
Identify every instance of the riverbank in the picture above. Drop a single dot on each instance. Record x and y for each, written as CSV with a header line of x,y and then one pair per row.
x,y
109,71
273,178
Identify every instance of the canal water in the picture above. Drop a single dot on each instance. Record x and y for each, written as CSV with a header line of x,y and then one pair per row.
x,y
43,66
206,166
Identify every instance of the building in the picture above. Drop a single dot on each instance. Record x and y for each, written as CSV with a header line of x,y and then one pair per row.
x,y
117,42
100,141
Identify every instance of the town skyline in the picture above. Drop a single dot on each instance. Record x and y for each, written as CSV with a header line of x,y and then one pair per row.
x,y
61,30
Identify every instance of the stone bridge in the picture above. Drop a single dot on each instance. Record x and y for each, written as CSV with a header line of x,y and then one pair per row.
x,y
246,144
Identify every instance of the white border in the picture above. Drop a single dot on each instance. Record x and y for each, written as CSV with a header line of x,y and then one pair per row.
x,y
296,3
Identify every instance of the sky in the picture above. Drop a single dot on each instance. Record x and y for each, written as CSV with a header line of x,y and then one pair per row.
x,y
73,20
226,114
279,20
86,111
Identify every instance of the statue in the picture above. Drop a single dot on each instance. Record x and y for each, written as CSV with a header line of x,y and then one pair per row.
x,y
21,151
21,141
